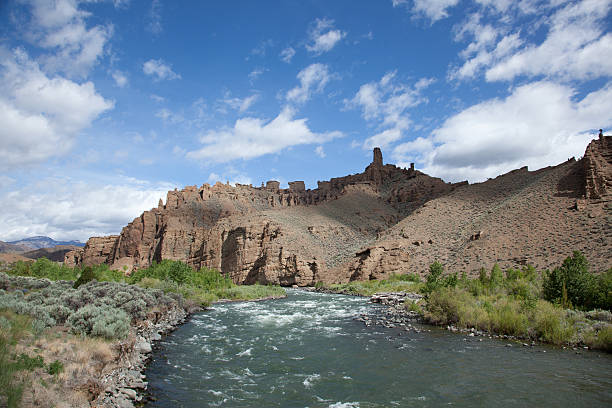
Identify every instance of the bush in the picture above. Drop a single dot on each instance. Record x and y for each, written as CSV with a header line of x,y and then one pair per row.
x,y
87,275
25,362
106,322
55,368
572,285
551,324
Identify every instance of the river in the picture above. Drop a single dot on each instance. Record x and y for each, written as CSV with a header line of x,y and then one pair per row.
x,y
307,350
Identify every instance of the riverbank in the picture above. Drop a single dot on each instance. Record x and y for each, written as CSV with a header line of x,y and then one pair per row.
x,y
309,350
127,385
87,346
510,311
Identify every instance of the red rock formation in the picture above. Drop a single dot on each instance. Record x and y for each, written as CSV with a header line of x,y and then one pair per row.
x,y
368,225
598,168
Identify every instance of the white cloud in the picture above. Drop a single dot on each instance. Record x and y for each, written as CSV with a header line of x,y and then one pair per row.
x,y
313,79
262,48
61,27
41,116
433,9
287,54
256,73
574,46
575,39
232,177
386,103
155,17
120,78
157,98
320,152
539,124
322,36
159,69
239,104
253,137
169,117
66,209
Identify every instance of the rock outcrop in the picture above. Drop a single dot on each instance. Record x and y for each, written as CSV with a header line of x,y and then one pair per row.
x,y
368,225
598,168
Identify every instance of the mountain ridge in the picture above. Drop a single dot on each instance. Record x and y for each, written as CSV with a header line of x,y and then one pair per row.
x,y
370,224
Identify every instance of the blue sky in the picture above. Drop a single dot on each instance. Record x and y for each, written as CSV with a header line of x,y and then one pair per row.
x,y
106,105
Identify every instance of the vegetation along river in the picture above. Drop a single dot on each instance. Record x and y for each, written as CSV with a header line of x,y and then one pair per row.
x,y
307,350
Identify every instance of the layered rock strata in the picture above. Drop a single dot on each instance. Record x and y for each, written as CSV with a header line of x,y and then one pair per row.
x,y
267,234
368,225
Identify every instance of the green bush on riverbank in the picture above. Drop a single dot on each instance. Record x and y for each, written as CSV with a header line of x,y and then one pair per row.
x,y
201,287
525,304
549,306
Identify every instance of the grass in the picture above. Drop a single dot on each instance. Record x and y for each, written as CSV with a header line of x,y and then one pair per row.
x,y
508,303
46,364
514,304
13,328
199,287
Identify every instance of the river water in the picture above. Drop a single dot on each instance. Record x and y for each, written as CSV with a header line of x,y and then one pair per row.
x,y
307,350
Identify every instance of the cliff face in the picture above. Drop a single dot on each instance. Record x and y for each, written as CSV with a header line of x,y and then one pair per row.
x,y
598,168
368,225
266,234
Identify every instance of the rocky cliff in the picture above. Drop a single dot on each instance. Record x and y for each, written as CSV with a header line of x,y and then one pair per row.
x,y
371,224
267,234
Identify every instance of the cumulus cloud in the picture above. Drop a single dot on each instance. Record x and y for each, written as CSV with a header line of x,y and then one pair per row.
x,y
253,137
120,78
433,9
63,208
61,27
320,152
538,124
313,79
385,103
287,54
323,37
239,104
573,48
159,69
41,116
575,39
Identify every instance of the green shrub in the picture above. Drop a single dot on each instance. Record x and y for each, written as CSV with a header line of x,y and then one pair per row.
x,y
87,275
496,278
25,362
105,322
573,285
550,323
404,277
433,281
507,318
55,368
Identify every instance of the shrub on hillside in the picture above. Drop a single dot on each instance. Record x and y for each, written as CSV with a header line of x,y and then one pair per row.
x,y
572,285
102,321
434,279
87,275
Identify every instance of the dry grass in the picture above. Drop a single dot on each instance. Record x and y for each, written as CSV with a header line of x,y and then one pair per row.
x,y
83,359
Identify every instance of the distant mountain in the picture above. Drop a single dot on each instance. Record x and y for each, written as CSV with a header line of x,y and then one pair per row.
x,y
56,253
41,242
6,248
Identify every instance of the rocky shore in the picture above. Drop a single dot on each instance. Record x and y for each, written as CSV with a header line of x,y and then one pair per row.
x,y
396,315
125,385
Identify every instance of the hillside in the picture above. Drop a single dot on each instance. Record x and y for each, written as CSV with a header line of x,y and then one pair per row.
x,y
371,224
